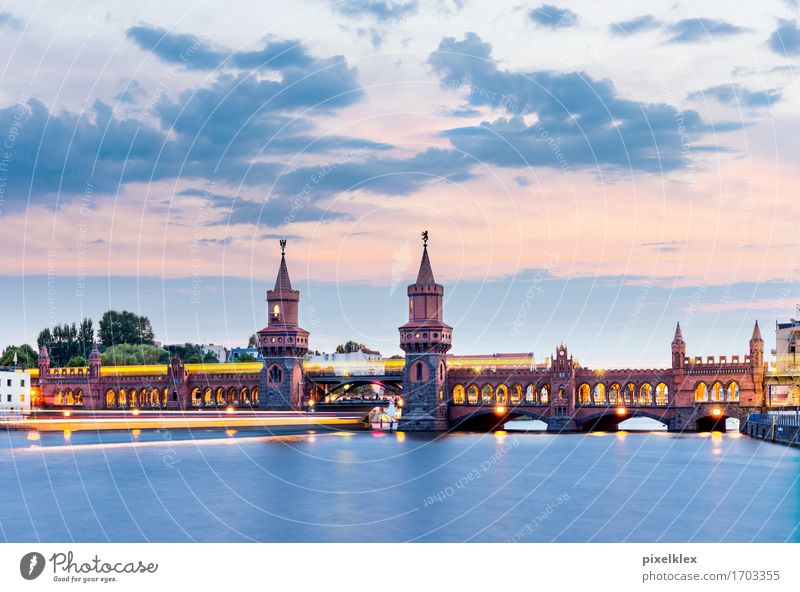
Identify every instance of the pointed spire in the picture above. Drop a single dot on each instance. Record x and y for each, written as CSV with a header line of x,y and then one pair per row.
x,y
43,353
95,355
425,275
678,335
282,282
756,333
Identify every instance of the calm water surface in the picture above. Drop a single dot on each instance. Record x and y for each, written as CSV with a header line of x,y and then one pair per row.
x,y
243,486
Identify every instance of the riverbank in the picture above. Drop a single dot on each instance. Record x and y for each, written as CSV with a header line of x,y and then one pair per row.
x,y
781,429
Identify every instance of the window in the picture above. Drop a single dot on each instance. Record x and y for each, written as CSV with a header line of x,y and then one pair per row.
x,y
22,382
8,382
419,371
22,398
275,374
8,397
276,312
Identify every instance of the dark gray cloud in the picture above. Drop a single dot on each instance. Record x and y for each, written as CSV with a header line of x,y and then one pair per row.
x,y
785,40
737,94
636,25
9,21
579,121
553,17
385,10
704,30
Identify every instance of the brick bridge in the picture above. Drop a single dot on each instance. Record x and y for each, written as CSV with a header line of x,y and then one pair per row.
x,y
439,391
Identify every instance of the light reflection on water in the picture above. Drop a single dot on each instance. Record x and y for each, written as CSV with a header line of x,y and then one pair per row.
x,y
343,486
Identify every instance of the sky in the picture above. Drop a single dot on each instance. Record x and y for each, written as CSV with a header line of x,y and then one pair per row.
x,y
589,173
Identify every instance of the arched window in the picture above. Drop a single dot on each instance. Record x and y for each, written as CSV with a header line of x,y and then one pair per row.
x,y
59,398
208,396
472,394
155,397
700,392
197,399
645,394
220,396
584,394
123,398
111,398
458,395
630,393
662,394
544,394
502,394
600,394
717,391
276,312
275,374
733,391
486,393
79,397
530,394
244,393
441,372
516,394
418,371
613,394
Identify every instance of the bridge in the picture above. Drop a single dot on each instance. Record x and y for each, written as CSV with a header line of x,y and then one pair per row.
x,y
436,389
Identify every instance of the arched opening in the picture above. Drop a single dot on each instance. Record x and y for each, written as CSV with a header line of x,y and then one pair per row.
x,y
219,396
600,394
516,394
79,397
614,394
155,398
486,393
584,394
732,391
197,397
123,398
58,398
530,394
254,397
276,312
662,394
70,399
418,371
701,392
134,398
712,423
208,397
502,394
717,391
458,394
472,394
642,424
630,393
111,399
164,397
645,394
544,395
244,394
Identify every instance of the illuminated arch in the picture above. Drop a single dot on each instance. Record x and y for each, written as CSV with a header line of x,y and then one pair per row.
x,y
544,394
164,397
208,397
732,391
530,394
254,396
516,394
123,398
70,399
717,391
220,396
458,394
630,393
111,398
486,393
472,394
599,394
501,395
244,394
614,396
645,394
59,398
155,397
700,392
197,397
584,394
662,394
79,397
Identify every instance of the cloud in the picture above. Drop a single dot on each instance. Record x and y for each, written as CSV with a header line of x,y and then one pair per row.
x,y
636,25
703,30
738,95
385,10
9,21
785,40
561,120
552,17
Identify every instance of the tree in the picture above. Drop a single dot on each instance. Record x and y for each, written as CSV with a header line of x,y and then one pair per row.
x,y
247,358
128,354
26,356
349,347
62,343
253,341
125,327
76,362
210,358
86,336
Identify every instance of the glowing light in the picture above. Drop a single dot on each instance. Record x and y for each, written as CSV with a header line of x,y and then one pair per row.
x,y
67,413
401,436
499,409
34,436
229,409
621,411
716,412
400,402
311,402
230,433
135,412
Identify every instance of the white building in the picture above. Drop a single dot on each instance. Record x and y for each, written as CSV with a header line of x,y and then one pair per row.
x,y
15,392
364,361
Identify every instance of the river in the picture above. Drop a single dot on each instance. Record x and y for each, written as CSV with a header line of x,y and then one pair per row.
x,y
363,486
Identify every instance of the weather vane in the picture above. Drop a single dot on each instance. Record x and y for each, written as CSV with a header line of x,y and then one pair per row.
x,y
283,246
424,238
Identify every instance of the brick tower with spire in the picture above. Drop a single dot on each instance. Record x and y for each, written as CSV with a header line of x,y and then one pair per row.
x,y
756,368
425,339
283,344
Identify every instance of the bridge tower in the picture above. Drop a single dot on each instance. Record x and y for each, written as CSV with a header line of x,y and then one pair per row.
x,y
757,368
425,339
282,344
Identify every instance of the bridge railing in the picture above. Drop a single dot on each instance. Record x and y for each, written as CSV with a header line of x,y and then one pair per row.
x,y
779,419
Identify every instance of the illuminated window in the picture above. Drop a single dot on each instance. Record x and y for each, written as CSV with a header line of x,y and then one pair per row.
x,y
613,394
733,391
276,312
600,394
645,394
717,392
544,394
584,395
530,394
502,394
701,392
516,394
662,394
472,395
458,395
486,393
